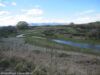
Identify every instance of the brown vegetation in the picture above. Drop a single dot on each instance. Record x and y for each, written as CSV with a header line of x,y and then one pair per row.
x,y
21,57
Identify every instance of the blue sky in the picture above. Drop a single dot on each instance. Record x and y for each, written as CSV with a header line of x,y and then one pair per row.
x,y
40,11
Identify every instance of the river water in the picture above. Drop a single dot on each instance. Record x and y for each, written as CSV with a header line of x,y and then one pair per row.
x,y
77,44
68,43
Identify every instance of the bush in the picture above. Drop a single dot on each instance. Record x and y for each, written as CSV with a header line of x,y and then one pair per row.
x,y
49,33
63,55
22,25
5,31
94,33
4,63
16,64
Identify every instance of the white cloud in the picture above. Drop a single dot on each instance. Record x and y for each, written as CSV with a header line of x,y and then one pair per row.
x,y
13,3
86,12
2,5
12,20
28,16
78,20
4,12
86,19
47,20
33,12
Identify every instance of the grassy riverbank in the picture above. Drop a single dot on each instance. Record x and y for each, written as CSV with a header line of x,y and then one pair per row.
x,y
61,33
53,45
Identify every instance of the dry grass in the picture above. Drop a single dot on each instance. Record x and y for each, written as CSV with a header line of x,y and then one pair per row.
x,y
49,61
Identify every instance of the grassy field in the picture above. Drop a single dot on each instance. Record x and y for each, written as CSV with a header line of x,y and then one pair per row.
x,y
18,56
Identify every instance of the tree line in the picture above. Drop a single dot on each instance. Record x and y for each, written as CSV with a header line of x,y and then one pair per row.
x,y
8,30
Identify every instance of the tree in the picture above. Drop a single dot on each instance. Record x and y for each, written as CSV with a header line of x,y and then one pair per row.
x,y
72,24
22,25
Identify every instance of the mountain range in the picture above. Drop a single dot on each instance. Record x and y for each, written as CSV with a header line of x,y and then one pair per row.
x,y
39,24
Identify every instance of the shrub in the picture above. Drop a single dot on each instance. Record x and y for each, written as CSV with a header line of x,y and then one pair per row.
x,y
22,25
63,55
49,33
5,31
4,63
16,64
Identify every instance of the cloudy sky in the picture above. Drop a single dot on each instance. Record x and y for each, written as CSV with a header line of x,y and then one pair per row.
x,y
40,11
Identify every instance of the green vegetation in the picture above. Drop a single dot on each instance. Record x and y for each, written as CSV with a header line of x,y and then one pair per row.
x,y
8,31
22,25
36,53
81,33
53,45
16,64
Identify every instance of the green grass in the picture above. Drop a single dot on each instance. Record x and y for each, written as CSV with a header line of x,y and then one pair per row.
x,y
67,37
61,36
53,45
78,39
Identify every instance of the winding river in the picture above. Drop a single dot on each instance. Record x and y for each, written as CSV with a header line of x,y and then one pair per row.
x,y
97,47
77,44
